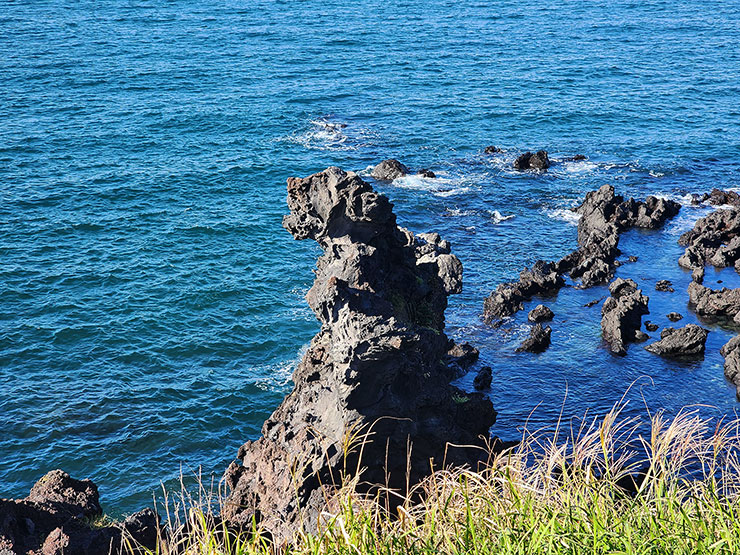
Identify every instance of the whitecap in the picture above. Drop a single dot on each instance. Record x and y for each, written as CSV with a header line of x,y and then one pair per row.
x,y
497,217
274,377
564,214
456,212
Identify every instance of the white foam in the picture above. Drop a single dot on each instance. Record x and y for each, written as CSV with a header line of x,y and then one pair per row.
x,y
441,186
276,376
325,134
497,217
564,214
580,166
456,212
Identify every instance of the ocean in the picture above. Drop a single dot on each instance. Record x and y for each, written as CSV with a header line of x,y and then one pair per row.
x,y
151,304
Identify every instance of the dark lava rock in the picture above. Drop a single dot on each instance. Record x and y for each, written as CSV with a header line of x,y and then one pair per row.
x,y
715,239
621,315
632,258
718,198
542,280
731,352
674,316
377,366
578,157
492,150
388,170
537,161
541,313
538,340
715,305
426,173
687,341
698,275
665,286
589,304
650,326
483,378
461,355
56,518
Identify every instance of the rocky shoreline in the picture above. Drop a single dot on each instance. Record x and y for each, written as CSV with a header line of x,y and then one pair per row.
x,y
373,399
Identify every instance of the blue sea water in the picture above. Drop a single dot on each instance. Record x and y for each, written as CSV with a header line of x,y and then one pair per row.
x,y
151,305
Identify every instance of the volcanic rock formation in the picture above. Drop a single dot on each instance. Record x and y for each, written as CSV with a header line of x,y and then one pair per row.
x,y
536,161
55,519
538,340
621,315
722,305
377,367
683,342
715,240
388,170
731,352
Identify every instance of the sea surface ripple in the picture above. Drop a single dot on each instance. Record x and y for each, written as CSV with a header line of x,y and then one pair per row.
x,y
151,305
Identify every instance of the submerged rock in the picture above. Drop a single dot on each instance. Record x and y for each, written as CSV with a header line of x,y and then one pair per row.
x,y
650,326
687,341
483,378
388,170
377,369
491,149
665,286
621,315
674,316
538,340
57,517
429,174
536,161
731,353
540,313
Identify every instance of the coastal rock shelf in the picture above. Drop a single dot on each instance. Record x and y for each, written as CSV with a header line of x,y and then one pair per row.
x,y
378,370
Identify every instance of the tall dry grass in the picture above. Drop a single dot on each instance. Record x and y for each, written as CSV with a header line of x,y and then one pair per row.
x,y
609,485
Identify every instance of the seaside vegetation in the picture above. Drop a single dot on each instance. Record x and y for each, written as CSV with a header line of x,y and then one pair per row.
x,y
606,485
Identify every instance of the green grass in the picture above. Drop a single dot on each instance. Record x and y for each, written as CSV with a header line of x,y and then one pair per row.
x,y
557,492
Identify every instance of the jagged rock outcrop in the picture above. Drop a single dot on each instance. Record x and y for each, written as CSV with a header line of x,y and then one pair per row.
x,y
429,174
714,239
388,170
492,149
722,305
604,216
540,313
56,519
538,340
731,353
535,161
483,378
621,315
460,357
508,298
674,316
717,197
683,342
377,366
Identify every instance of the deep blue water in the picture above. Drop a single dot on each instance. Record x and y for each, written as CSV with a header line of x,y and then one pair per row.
x,y
151,304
